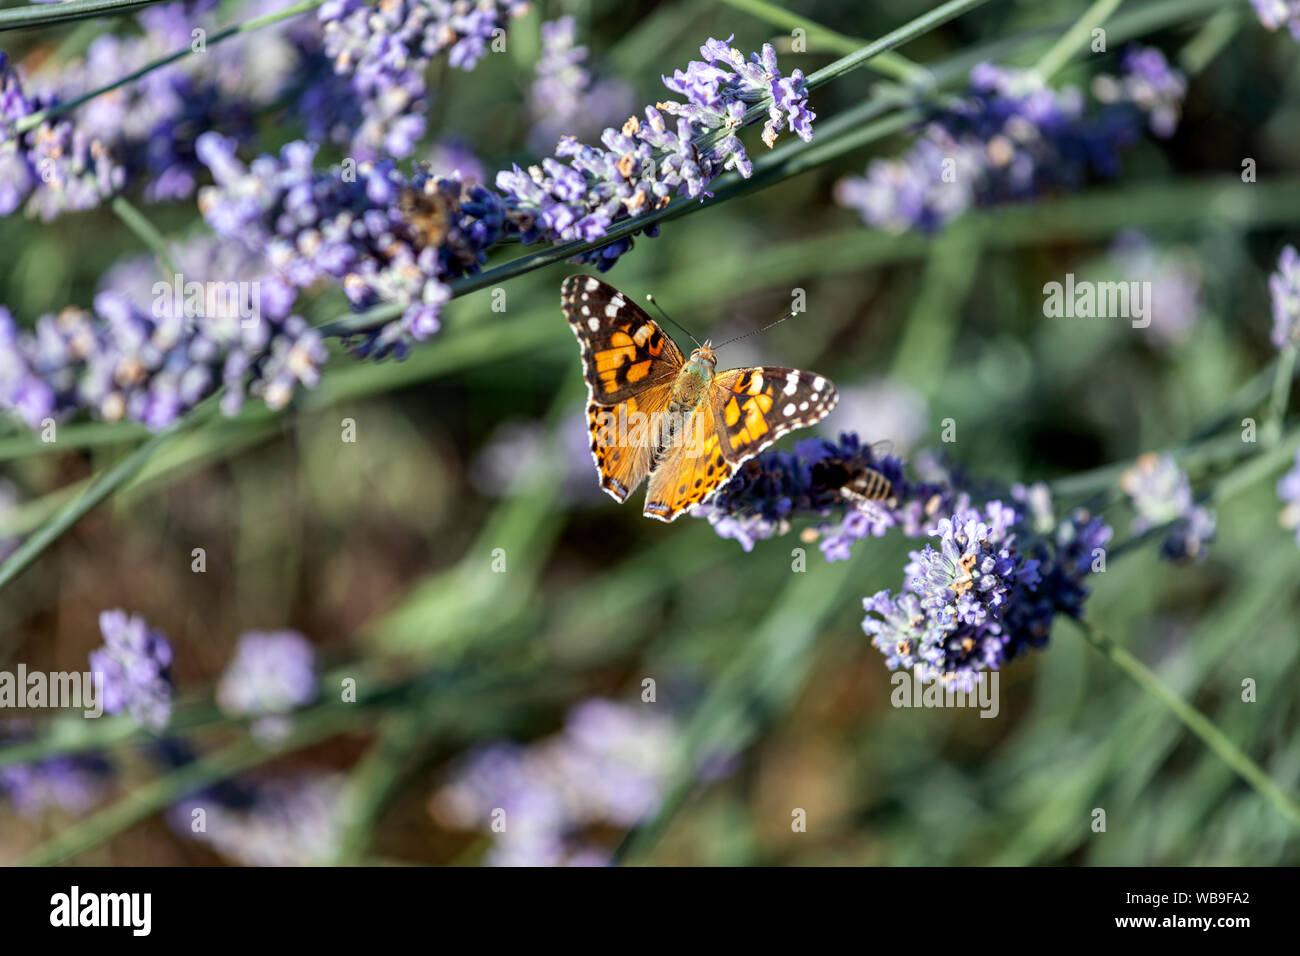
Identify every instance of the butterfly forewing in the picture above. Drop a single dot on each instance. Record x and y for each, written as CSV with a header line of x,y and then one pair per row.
x,y
630,366
756,406
624,351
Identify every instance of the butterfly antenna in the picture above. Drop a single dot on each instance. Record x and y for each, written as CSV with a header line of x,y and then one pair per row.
x,y
788,315
659,309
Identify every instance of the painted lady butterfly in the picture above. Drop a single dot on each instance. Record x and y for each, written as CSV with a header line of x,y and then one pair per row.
x,y
653,412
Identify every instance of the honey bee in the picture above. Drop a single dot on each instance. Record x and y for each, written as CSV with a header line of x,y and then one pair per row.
x,y
868,485
427,214
856,482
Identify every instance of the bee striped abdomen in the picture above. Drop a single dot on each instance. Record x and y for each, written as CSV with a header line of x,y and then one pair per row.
x,y
871,485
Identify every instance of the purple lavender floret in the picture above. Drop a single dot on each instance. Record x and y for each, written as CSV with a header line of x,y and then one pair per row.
x,y
136,663
1284,290
969,577
979,601
152,348
354,225
679,148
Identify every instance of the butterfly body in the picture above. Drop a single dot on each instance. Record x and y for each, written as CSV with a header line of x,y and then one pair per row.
x,y
654,413
694,380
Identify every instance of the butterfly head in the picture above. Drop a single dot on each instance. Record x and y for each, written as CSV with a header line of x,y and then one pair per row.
x,y
704,355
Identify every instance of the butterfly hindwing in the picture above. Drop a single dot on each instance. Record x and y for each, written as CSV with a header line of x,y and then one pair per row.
x,y
624,351
756,406
623,455
690,469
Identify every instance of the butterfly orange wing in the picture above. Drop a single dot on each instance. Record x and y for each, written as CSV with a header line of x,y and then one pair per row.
x,y
629,364
745,410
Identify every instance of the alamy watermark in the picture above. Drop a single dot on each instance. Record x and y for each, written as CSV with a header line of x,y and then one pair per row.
x,y
911,691
1085,299
73,690
624,429
240,300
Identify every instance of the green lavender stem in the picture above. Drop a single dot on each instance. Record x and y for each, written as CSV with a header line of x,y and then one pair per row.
x,y
1193,720
889,63
146,232
1281,393
1075,38
103,486
165,790
33,15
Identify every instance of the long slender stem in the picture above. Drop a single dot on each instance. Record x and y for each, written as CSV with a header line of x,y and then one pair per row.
x,y
1075,38
146,231
1193,720
103,486
33,15
1281,393
890,64
163,791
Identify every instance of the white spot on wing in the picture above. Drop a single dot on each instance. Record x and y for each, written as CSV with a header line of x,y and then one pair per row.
x,y
791,383
593,324
819,383
788,410
593,285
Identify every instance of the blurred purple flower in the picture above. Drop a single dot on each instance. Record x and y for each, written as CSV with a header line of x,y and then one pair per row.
x,y
71,782
143,132
1175,275
1288,492
270,673
607,767
1276,13
1010,138
516,449
136,663
1160,494
1284,288
283,821
59,165
1148,82
565,97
